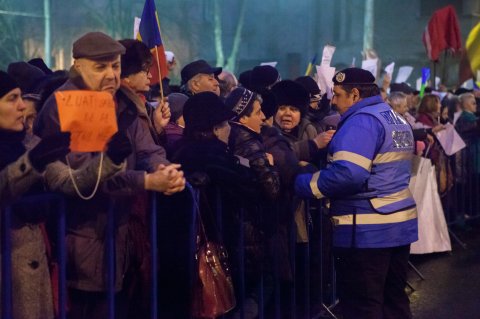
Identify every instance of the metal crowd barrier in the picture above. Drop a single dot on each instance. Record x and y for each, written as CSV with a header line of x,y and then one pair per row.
x,y
318,281
462,202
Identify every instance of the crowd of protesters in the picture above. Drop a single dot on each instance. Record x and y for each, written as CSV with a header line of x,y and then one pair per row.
x,y
243,143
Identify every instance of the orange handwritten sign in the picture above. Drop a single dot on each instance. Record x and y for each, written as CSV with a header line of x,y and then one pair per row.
x,y
90,118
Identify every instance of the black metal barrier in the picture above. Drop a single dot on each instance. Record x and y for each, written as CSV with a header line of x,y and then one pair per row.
x,y
309,293
462,202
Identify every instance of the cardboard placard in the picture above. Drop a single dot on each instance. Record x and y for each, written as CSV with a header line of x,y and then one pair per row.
x,y
89,116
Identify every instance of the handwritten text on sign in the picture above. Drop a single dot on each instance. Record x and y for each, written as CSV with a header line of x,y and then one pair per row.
x,y
89,116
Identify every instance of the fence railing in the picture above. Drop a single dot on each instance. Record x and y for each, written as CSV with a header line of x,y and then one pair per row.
x,y
315,283
172,235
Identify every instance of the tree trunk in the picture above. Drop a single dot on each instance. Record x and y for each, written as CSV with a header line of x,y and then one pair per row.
x,y
368,25
232,59
217,30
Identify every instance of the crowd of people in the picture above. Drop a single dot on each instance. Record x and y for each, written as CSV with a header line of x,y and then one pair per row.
x,y
256,148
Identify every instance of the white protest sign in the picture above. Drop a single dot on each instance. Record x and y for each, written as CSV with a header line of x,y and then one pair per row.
x,y
136,26
328,51
449,139
403,74
324,79
389,69
468,84
371,66
273,63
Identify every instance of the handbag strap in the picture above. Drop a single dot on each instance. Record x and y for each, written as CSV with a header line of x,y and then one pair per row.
x,y
201,196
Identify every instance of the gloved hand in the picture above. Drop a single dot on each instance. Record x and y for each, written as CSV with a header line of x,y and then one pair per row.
x,y
49,149
119,147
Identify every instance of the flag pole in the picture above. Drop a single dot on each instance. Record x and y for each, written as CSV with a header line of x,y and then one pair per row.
x,y
159,74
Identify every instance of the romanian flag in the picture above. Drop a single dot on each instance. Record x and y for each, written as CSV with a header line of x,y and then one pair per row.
x,y
149,33
425,78
310,66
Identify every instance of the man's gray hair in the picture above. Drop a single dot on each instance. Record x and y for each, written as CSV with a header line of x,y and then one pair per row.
x,y
465,97
395,99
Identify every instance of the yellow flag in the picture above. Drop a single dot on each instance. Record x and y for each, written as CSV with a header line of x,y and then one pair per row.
x,y
473,49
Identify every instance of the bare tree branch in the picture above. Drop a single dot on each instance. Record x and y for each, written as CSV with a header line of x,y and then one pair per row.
x,y
232,59
218,33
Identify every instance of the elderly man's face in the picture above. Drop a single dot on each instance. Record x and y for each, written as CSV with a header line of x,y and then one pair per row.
x,y
205,83
101,75
470,104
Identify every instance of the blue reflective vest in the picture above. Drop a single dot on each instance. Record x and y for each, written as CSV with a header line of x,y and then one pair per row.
x,y
367,178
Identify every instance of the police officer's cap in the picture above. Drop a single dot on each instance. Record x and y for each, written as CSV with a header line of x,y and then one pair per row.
x,y
96,45
353,76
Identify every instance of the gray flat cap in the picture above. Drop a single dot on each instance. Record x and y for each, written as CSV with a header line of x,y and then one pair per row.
x,y
96,45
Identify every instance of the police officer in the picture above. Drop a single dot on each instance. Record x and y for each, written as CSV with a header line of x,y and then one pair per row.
x,y
372,209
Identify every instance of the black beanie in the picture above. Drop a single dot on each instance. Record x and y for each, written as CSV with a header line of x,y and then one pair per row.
x,y
310,85
7,83
288,92
28,77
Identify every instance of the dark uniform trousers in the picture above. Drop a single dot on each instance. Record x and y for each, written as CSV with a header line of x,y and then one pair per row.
x,y
371,282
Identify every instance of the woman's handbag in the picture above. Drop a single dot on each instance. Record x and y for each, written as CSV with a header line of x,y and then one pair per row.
x,y
213,291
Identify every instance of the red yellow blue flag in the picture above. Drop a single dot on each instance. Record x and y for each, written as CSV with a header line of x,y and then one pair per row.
x,y
149,33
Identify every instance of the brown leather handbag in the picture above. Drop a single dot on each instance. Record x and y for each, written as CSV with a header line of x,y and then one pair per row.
x,y
213,291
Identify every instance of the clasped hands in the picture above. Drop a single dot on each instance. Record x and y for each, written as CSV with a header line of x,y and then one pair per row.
x,y
167,179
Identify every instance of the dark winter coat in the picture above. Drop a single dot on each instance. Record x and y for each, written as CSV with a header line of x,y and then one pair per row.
x,y
87,219
248,144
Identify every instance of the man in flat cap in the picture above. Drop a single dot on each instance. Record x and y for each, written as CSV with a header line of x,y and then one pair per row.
x,y
372,209
97,67
198,76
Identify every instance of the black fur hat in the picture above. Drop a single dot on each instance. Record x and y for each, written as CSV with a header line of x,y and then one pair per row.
x,y
137,57
245,79
263,76
203,111
288,92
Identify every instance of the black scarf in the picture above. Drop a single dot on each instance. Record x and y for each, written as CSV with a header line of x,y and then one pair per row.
x,y
11,146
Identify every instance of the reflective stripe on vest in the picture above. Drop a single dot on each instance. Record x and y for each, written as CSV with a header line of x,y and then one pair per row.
x,y
314,186
375,219
354,158
379,202
392,157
